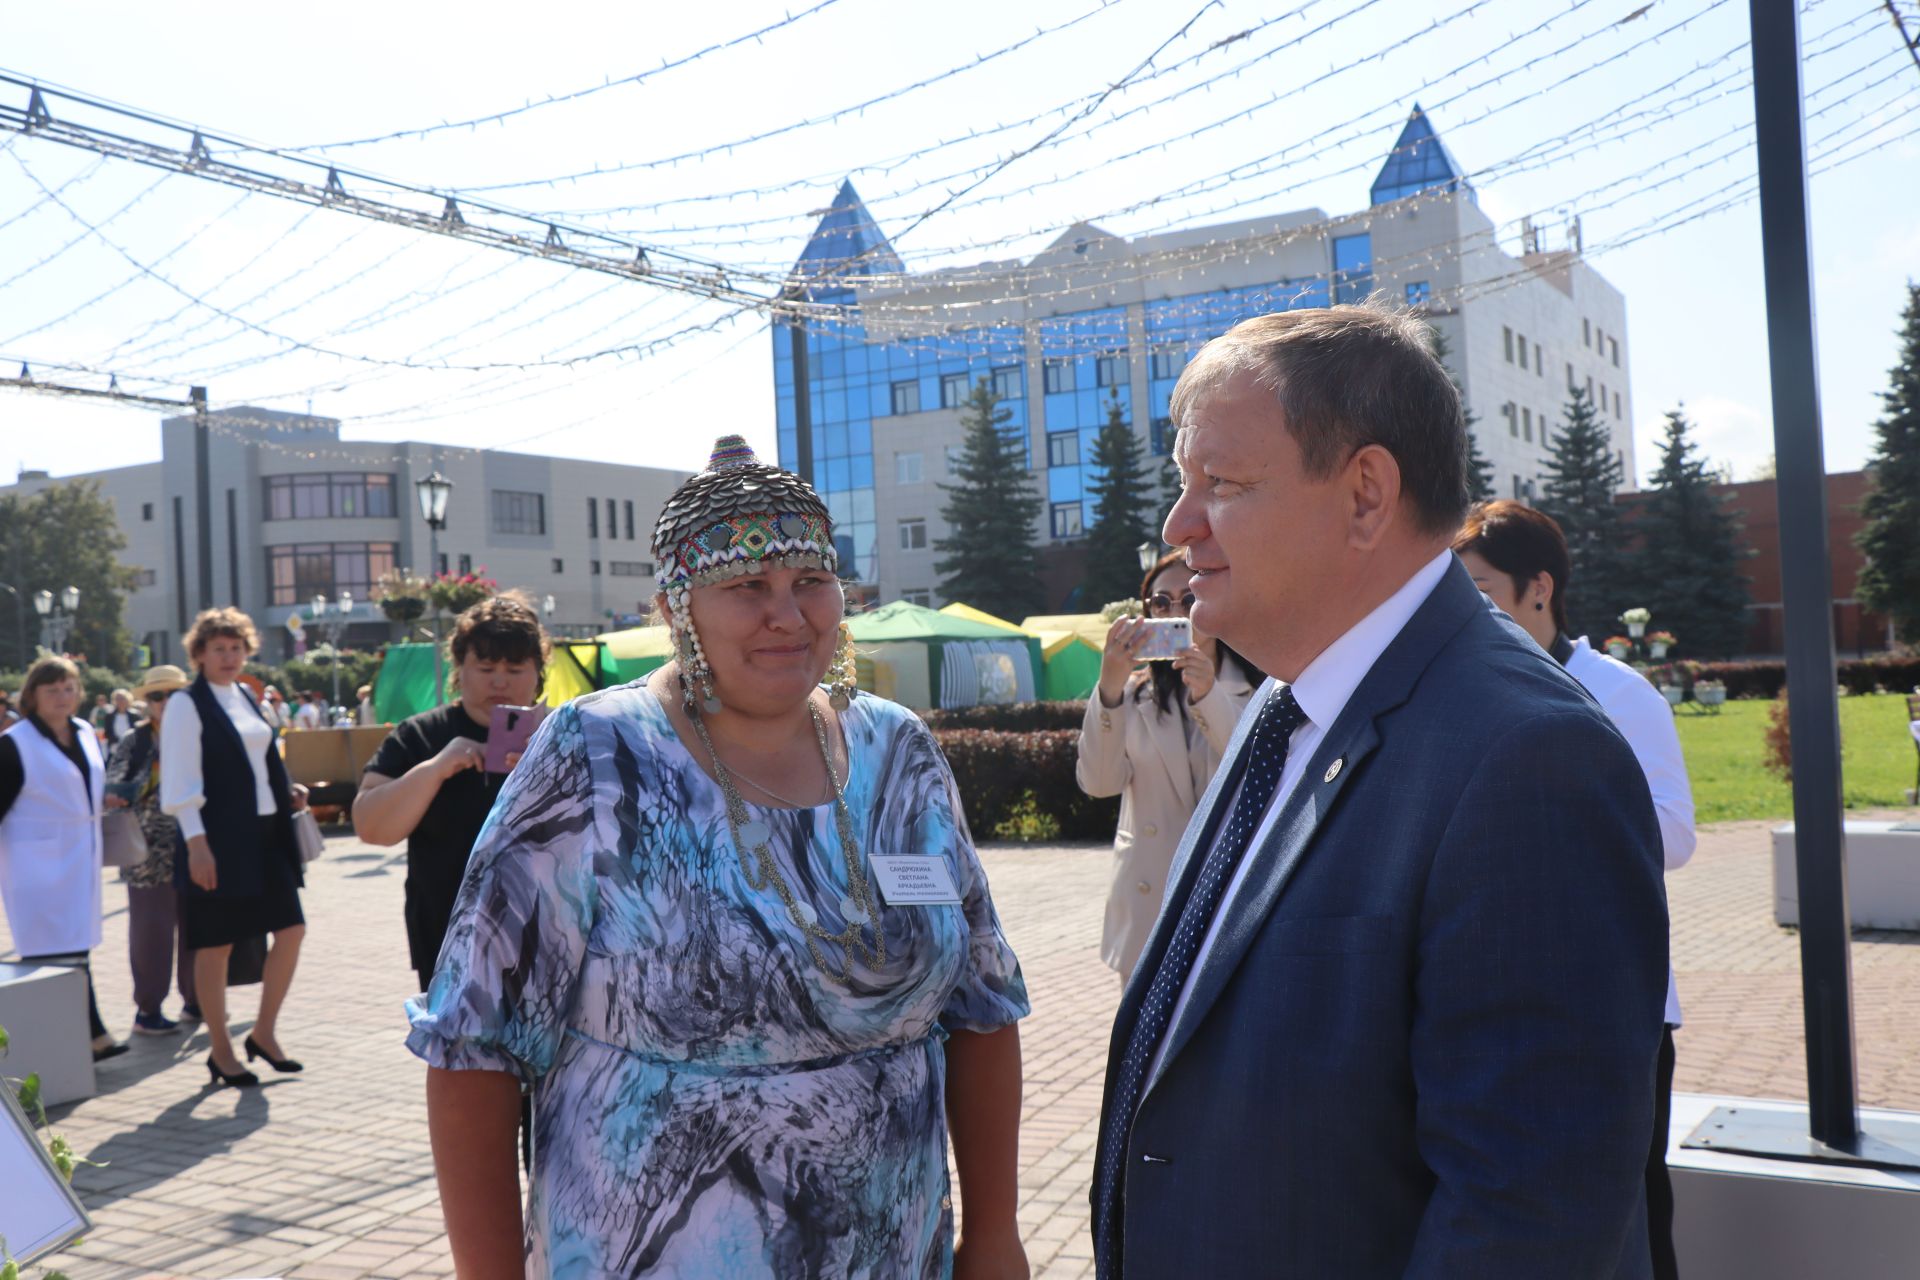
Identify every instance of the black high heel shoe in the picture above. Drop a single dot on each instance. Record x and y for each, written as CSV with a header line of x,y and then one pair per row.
x,y
287,1065
239,1079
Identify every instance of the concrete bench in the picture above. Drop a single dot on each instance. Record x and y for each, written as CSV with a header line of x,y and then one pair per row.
x,y
1883,875
44,1009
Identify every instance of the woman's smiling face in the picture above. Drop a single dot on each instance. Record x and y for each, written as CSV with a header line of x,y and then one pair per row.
x,y
769,636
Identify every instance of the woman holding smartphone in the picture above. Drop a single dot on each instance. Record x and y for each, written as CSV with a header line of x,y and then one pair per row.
x,y
1153,735
428,784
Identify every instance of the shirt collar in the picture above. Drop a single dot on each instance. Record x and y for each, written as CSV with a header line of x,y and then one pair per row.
x,y
1330,679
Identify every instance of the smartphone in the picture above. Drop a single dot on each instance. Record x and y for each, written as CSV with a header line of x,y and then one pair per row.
x,y
509,731
1167,639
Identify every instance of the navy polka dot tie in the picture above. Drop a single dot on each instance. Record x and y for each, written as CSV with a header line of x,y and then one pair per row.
x,y
1266,756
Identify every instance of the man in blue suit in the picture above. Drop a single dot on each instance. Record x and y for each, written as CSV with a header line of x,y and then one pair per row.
x,y
1400,1012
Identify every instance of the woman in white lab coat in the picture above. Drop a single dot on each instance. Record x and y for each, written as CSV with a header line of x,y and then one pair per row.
x,y
52,785
1153,735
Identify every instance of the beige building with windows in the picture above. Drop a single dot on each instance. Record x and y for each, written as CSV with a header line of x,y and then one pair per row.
x,y
293,512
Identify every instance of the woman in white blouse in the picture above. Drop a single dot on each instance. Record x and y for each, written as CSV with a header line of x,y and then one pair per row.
x,y
222,779
1518,557
1153,735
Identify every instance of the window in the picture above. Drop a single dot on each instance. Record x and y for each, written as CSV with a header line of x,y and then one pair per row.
x,y
1110,370
1616,406
442,566
1419,293
1506,334
906,396
629,568
1056,375
1586,332
626,506
1519,489
1602,402
1526,425
1539,361
1066,520
1520,341
613,522
297,573
466,563
146,511
918,595
515,511
1590,388
1571,384
322,495
1063,449
1006,382
913,535
1513,419
593,517
1162,436
1599,339
1613,350
954,389
906,468
1165,362
1352,267
559,565
593,567
145,577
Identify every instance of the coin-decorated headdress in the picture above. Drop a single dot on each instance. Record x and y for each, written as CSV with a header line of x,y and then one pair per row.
x,y
737,517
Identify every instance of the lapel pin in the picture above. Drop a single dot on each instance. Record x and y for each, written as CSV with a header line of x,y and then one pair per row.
x,y
1333,770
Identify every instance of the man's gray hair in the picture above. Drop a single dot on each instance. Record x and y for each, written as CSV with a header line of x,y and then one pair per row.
x,y
1346,377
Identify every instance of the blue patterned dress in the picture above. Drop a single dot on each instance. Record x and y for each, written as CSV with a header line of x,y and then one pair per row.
x,y
709,1102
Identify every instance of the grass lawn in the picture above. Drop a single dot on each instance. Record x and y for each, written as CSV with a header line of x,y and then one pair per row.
x,y
1725,752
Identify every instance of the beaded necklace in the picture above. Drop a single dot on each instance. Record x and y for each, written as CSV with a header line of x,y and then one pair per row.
x,y
754,840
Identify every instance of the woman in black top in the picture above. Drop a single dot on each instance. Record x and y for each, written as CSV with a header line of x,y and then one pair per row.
x,y
427,784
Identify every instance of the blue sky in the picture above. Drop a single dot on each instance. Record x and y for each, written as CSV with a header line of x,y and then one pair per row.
x,y
1565,107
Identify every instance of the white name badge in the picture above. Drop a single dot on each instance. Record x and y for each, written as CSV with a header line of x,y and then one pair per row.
x,y
914,880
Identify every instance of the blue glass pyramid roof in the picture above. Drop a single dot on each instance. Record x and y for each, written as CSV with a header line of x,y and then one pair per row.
x,y
1418,162
847,241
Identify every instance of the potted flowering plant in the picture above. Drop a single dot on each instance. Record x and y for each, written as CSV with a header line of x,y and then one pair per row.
x,y
401,595
1619,647
1122,609
1709,693
1636,620
458,592
1658,643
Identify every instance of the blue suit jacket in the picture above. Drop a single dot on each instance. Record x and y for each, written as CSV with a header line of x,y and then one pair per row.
x,y
1423,1042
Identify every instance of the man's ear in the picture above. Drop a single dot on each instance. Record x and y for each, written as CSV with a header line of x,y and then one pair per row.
x,y
1372,479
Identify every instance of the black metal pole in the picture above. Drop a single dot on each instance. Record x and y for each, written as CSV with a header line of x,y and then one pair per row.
x,y
1826,979
203,494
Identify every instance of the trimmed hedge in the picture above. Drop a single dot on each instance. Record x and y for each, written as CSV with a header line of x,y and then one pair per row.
x,y
1892,672
1019,717
1009,779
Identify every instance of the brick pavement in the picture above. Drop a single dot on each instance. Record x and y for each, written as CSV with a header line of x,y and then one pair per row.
x,y
327,1176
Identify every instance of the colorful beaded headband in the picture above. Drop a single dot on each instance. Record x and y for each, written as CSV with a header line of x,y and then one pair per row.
x,y
739,516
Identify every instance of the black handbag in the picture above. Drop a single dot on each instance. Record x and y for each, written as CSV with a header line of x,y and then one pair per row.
x,y
247,961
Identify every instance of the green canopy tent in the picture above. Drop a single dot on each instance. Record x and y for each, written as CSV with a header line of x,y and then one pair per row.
x,y
925,658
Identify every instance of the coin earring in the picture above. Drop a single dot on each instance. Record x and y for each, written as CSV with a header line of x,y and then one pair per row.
x,y
843,677
696,676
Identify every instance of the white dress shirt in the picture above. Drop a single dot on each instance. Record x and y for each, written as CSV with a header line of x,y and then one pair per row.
x,y
1644,719
182,788
1322,690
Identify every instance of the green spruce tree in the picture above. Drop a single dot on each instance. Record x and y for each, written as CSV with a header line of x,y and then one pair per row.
x,y
1688,567
989,558
1583,473
1123,498
1479,470
1890,581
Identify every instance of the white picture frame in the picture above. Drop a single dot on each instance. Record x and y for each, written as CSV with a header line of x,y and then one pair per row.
x,y
39,1212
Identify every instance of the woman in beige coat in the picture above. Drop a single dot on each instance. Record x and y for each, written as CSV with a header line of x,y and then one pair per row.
x,y
1153,735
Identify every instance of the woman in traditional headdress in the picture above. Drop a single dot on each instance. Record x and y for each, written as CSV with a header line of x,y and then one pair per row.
x,y
732,927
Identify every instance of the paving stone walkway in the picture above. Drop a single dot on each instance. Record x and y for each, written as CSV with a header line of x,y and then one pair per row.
x,y
327,1175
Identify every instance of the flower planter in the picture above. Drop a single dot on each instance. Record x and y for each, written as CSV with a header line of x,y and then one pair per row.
x,y
1657,649
1709,697
1620,651
1673,694
403,608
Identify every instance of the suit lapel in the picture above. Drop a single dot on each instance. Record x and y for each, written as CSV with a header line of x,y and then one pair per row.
x,y
1353,737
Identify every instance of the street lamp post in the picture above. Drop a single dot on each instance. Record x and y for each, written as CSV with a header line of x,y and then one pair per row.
x,y
1149,553
433,491
546,611
57,615
330,632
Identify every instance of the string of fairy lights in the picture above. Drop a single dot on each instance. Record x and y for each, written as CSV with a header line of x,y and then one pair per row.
x,y
571,271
